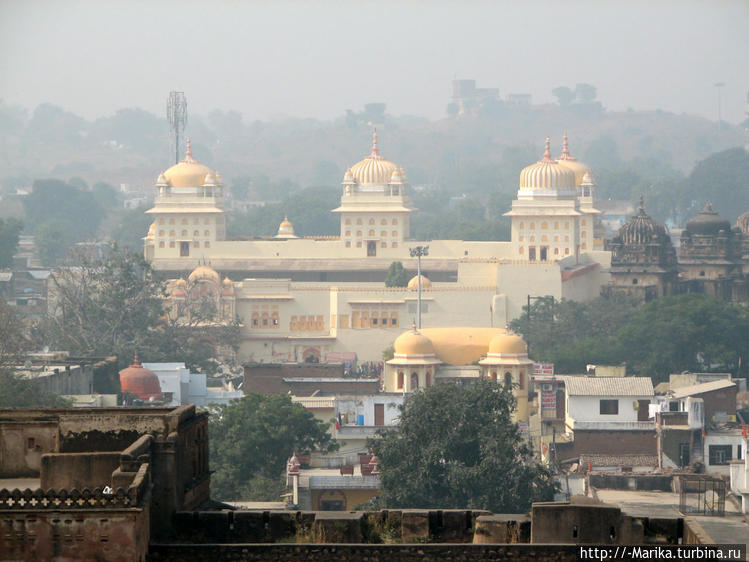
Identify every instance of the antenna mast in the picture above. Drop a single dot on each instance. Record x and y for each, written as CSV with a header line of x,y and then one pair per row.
x,y
176,114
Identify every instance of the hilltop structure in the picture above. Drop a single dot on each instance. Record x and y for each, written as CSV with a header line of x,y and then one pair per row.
x,y
300,298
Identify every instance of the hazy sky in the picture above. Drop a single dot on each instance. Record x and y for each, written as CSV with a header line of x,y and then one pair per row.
x,y
318,58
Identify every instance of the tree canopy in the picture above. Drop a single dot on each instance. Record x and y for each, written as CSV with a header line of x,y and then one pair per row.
x,y
397,275
252,438
10,230
686,332
456,446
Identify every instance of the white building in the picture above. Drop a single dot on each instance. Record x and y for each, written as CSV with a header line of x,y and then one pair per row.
x,y
179,386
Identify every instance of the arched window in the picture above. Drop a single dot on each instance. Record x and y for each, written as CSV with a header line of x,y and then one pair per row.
x,y
206,244
508,379
395,221
171,221
429,378
171,233
556,251
400,380
494,376
196,233
161,244
521,380
383,233
634,281
584,246
556,225
196,221
383,222
544,225
521,226
371,221
161,233
348,221
533,226
358,232
414,381
395,233
184,233
383,244
522,250
184,221
206,233
358,221
371,232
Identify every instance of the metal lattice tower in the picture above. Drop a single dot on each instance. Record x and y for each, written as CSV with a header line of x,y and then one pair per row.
x,y
176,114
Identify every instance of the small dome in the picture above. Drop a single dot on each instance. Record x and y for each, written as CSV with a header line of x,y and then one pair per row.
x,y
179,293
152,230
228,287
413,284
708,222
743,223
588,179
210,180
180,283
187,173
140,381
161,181
641,229
398,177
219,179
573,164
374,169
508,344
204,272
348,178
546,174
286,229
413,344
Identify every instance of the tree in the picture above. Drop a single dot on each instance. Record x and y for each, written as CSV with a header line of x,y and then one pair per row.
x,y
564,95
457,447
10,230
54,199
116,306
585,93
252,438
52,241
397,276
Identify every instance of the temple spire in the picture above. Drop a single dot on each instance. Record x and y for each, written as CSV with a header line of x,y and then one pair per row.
x,y
375,150
566,150
547,152
188,153
641,209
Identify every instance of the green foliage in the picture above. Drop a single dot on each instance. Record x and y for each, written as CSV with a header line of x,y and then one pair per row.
x,y
18,392
115,306
308,209
673,334
130,226
397,275
457,447
388,353
54,200
564,95
53,240
585,93
254,437
10,229
105,195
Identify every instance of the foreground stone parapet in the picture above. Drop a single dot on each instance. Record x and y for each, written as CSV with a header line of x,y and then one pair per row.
x,y
338,527
414,525
502,529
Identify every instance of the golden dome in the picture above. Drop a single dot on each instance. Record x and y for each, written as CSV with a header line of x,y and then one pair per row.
x,y
413,284
546,174
286,229
461,345
210,180
152,230
219,179
188,173
398,177
508,344
204,272
161,181
588,179
180,283
374,169
571,163
413,344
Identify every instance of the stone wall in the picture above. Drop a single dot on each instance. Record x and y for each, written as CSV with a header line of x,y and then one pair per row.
x,y
267,378
78,470
347,552
601,442
660,482
23,444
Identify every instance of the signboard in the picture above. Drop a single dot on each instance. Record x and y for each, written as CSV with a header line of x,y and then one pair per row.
x,y
523,428
543,369
548,399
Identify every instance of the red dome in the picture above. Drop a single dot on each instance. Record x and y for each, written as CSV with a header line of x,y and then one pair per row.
x,y
138,380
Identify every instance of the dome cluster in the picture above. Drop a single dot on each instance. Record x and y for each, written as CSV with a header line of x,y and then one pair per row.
x,y
563,174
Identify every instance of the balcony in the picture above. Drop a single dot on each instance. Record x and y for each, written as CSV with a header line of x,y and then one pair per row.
x,y
613,425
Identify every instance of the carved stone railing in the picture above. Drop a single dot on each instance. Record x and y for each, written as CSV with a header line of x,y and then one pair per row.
x,y
39,499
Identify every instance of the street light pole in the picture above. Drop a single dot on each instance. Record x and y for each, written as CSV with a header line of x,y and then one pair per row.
x,y
417,253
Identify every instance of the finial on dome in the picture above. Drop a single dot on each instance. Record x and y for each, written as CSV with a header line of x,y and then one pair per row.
x,y
188,152
136,362
708,207
413,327
547,152
641,210
375,150
566,150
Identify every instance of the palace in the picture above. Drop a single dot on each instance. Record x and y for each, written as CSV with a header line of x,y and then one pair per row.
x,y
300,298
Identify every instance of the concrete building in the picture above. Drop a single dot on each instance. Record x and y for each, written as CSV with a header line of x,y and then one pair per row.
x,y
180,387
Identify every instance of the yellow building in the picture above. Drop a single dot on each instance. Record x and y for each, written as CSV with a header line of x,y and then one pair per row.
x,y
461,354
299,298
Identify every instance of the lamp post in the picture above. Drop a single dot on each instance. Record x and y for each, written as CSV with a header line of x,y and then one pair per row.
x,y
417,252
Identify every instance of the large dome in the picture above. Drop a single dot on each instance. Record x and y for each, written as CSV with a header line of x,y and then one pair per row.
x,y
413,344
413,284
187,173
141,382
573,164
641,229
508,344
547,175
374,169
708,222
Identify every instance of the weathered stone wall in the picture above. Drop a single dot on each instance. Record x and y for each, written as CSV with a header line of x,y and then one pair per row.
x,y
347,552
78,470
68,379
112,535
574,524
23,444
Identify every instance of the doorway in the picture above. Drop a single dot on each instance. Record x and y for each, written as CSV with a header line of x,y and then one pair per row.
x,y
371,248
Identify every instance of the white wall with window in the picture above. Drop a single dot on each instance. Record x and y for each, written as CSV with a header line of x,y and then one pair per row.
x,y
720,449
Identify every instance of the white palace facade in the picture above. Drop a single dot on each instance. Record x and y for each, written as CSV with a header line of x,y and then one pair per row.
x,y
303,298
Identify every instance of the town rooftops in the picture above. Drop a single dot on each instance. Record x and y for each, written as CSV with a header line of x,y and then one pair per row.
x,y
701,388
608,386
